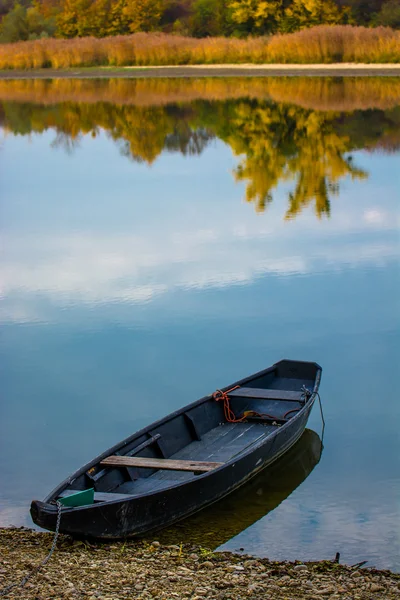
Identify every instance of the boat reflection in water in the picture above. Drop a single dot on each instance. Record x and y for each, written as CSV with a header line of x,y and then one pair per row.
x,y
216,525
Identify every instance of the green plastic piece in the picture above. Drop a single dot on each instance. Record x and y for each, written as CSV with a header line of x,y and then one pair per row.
x,y
80,498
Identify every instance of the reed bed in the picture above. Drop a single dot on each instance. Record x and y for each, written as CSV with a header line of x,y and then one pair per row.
x,y
318,93
335,44
322,44
139,49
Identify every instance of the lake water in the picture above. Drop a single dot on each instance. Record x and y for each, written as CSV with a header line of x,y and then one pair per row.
x,y
162,238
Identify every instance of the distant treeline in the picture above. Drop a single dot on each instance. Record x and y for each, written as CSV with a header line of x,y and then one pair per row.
x,y
34,19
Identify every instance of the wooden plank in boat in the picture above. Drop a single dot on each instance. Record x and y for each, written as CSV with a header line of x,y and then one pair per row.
x,y
268,394
160,463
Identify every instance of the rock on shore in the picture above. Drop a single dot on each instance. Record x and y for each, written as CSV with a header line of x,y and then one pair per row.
x,y
143,569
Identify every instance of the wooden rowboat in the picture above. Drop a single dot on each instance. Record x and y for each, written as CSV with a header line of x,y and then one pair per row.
x,y
187,460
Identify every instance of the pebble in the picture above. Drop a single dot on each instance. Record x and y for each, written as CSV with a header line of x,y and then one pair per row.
x,y
376,588
300,568
184,570
139,586
207,564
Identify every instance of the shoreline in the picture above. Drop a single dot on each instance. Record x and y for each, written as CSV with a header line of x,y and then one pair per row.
x,y
228,70
147,569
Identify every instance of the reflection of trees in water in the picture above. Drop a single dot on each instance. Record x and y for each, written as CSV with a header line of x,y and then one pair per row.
x,y
275,143
66,142
144,132
187,141
282,143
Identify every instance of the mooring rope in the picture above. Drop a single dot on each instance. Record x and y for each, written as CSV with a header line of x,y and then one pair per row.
x,y
322,416
35,570
230,416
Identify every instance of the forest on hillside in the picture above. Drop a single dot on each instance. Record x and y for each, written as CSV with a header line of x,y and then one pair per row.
x,y
36,19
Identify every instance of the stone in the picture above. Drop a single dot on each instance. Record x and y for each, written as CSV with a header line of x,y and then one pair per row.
x,y
300,568
326,591
376,587
139,586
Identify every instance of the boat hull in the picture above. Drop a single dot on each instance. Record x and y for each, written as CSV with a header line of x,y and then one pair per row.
x,y
140,515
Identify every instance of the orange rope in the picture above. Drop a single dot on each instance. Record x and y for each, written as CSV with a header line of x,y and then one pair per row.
x,y
230,416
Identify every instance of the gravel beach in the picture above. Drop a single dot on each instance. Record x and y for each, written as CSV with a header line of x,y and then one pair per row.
x,y
148,569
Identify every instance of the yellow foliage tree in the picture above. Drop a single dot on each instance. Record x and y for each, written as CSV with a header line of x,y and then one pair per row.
x,y
143,15
73,19
307,13
117,20
256,16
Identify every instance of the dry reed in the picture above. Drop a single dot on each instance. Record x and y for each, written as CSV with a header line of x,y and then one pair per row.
x,y
335,44
322,44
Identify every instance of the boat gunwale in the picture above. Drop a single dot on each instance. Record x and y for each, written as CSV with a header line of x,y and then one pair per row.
x,y
245,452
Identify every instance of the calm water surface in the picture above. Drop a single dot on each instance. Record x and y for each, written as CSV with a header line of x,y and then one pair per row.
x,y
163,239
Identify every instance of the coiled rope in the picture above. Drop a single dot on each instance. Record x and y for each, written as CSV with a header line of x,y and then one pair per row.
x,y
220,396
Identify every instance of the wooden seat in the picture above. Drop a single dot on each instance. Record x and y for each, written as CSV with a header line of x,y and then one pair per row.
x,y
160,463
268,394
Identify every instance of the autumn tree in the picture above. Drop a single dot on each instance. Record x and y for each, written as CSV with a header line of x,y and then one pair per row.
x,y
254,16
48,8
307,13
73,18
143,15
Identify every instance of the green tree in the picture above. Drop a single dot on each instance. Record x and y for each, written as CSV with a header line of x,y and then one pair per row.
x,y
362,11
38,25
389,14
7,5
211,18
14,26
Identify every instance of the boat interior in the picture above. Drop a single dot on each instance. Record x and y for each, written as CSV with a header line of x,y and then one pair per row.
x,y
197,439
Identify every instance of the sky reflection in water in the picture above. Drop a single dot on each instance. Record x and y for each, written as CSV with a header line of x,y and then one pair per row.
x,y
136,277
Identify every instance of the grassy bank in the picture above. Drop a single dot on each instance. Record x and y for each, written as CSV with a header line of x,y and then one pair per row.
x,y
150,570
318,45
